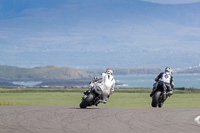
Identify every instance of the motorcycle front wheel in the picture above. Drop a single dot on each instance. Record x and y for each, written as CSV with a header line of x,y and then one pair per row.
x,y
155,98
86,102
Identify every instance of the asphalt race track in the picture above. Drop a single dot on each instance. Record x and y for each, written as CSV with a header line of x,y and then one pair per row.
x,y
55,119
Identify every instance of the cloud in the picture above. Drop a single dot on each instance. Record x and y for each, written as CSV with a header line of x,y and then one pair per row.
x,y
120,30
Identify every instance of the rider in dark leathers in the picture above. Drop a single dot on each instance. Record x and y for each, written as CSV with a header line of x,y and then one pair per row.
x,y
164,78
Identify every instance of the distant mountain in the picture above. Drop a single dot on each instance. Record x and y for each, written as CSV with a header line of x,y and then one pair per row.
x,y
195,70
8,84
99,33
66,76
55,73
125,71
11,73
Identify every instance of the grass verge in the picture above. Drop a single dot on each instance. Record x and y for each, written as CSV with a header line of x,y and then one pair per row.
x,y
72,97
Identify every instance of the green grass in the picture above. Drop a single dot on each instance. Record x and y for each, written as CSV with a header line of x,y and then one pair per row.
x,y
72,97
42,98
187,100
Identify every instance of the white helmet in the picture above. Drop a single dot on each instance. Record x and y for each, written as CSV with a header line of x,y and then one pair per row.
x,y
109,71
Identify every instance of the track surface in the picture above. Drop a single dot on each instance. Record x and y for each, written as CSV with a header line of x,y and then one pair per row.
x,y
53,119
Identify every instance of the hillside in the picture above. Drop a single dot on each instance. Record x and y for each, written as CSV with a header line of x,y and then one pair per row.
x,y
195,70
52,73
40,73
55,73
66,76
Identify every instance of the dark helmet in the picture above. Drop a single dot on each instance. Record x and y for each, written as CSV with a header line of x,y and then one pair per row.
x,y
167,69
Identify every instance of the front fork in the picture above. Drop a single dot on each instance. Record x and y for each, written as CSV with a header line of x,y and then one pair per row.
x,y
96,100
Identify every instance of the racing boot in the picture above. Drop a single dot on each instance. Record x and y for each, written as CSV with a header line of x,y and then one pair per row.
x,y
86,92
104,101
152,93
169,93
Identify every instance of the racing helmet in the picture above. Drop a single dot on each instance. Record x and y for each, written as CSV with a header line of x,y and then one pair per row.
x,y
167,69
109,71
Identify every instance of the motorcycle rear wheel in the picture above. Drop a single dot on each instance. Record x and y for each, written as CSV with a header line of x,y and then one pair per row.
x,y
86,102
155,99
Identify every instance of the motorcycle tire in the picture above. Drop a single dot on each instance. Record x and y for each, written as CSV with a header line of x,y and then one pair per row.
x,y
86,102
155,99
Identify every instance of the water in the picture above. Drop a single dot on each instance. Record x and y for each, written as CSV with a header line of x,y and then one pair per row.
x,y
27,84
146,81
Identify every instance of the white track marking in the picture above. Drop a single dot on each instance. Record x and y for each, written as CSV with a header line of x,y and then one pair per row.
x,y
197,120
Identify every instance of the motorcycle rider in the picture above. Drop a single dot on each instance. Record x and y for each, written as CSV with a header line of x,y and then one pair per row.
x,y
167,79
106,80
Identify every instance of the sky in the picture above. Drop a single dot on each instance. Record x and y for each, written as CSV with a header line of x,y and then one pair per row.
x,y
172,1
99,34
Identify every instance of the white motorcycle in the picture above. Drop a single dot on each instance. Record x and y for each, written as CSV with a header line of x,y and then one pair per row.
x,y
96,94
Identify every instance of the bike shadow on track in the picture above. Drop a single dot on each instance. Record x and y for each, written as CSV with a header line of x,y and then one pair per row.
x,y
84,108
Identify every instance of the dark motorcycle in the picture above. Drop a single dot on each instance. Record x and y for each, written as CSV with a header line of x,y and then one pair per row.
x,y
159,95
94,95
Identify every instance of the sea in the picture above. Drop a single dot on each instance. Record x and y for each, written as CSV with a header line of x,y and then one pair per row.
x,y
143,81
147,81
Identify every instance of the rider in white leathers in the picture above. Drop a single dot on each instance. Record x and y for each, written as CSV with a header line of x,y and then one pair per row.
x,y
105,81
